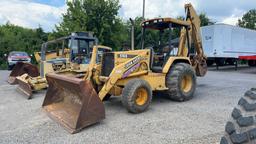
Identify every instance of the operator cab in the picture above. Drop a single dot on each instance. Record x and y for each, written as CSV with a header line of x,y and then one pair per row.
x,y
81,44
77,47
161,35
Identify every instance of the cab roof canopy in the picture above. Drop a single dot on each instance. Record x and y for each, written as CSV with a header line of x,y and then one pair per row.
x,y
163,23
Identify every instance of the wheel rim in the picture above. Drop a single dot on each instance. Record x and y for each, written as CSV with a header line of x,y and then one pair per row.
x,y
186,83
141,96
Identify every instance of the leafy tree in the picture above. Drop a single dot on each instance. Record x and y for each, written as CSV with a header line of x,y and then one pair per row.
x,y
151,36
98,16
16,38
205,20
248,20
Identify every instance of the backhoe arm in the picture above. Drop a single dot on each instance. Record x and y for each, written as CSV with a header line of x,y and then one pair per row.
x,y
198,60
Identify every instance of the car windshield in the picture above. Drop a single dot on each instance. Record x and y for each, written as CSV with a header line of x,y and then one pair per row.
x,y
19,54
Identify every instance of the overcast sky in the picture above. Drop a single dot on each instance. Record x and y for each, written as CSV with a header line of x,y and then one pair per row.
x,y
47,13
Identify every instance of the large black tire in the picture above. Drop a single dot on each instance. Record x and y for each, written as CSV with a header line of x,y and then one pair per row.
x,y
241,128
130,95
174,80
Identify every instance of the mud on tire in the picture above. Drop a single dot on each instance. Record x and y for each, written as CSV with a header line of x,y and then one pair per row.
x,y
241,128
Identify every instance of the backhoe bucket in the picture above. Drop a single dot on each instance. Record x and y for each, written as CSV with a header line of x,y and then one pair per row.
x,y
20,68
72,102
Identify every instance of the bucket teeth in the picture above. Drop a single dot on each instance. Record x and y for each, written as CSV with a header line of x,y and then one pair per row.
x,y
12,80
23,85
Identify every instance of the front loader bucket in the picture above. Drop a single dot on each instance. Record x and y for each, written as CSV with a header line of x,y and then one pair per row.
x,y
72,102
20,68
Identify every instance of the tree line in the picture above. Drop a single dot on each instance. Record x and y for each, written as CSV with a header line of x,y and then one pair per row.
x,y
97,16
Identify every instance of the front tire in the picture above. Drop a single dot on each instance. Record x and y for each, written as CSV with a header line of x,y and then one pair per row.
x,y
137,96
181,82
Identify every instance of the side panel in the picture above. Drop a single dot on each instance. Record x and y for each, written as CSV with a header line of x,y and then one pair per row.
x,y
207,40
155,80
223,41
249,43
124,56
173,60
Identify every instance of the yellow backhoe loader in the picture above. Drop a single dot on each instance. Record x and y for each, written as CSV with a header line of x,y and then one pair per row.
x,y
134,75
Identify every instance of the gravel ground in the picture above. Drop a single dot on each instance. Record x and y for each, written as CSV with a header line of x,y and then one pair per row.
x,y
200,120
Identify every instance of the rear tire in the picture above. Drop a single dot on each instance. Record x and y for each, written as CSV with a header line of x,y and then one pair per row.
x,y
181,81
137,96
241,128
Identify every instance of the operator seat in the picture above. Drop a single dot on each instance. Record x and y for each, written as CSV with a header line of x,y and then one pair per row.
x,y
161,59
157,69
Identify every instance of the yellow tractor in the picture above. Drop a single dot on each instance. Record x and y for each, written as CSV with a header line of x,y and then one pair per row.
x,y
71,60
49,53
134,75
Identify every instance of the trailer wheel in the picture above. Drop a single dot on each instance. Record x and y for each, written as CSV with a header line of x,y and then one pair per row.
x,y
210,62
181,81
252,63
220,61
241,128
137,95
231,61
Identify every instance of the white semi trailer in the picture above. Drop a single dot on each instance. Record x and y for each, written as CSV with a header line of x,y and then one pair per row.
x,y
225,44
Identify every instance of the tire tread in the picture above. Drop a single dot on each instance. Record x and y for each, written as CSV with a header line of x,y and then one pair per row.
x,y
241,128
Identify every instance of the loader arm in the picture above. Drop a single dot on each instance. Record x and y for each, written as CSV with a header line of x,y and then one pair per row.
x,y
120,71
90,68
93,63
